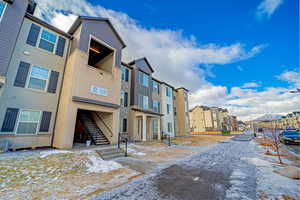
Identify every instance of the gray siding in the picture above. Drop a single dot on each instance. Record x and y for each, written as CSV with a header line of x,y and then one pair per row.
x,y
102,31
139,89
9,28
143,66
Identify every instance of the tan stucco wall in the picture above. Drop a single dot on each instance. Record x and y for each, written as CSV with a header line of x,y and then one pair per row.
x,y
197,120
182,113
79,77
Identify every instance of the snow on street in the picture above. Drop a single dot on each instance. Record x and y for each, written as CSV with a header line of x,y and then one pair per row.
x,y
229,170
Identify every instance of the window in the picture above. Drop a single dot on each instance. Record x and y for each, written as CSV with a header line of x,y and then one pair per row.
x,y
168,92
169,127
168,108
143,79
124,125
124,74
156,106
28,122
2,8
156,87
143,102
47,41
124,99
38,78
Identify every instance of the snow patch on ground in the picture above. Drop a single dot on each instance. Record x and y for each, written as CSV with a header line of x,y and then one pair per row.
x,y
135,152
44,154
258,162
98,165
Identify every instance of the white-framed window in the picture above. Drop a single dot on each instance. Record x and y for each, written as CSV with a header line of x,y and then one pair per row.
x,y
124,74
156,87
144,102
168,92
168,108
143,79
2,8
156,105
48,40
38,78
28,122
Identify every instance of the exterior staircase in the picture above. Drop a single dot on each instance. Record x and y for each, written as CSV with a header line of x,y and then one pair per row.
x,y
97,135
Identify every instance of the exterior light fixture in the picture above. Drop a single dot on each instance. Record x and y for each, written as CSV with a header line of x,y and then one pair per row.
x,y
94,49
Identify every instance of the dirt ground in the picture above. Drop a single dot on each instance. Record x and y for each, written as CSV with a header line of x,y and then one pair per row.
x,y
158,152
67,175
199,140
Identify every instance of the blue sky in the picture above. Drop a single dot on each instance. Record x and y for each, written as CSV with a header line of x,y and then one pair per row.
x,y
226,22
240,55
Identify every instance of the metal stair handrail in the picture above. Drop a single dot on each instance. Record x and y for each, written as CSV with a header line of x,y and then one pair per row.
x,y
99,117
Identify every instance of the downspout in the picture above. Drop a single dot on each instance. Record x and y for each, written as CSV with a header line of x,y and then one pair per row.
x,y
60,91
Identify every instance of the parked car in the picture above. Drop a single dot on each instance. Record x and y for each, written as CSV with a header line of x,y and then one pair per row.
x,y
290,137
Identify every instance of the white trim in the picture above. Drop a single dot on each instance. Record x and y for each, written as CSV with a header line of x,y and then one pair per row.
x,y
29,75
5,6
18,121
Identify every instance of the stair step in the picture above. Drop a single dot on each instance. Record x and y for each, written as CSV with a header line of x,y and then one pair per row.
x,y
107,153
110,157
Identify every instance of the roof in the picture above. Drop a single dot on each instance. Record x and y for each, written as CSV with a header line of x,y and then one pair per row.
x,y
183,89
126,65
77,23
45,24
144,58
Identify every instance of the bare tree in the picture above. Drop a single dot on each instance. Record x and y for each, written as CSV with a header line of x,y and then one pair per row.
x,y
276,142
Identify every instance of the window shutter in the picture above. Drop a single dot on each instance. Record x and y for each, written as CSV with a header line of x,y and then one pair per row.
x,y
22,74
10,120
125,99
45,122
126,75
60,46
33,35
53,82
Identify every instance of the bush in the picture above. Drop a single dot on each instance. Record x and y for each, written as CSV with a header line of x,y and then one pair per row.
x,y
225,132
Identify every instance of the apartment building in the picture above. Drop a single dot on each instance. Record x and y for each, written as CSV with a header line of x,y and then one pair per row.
x,y
33,56
205,118
291,120
63,89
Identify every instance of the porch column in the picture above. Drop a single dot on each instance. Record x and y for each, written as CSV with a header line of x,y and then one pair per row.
x,y
158,129
144,128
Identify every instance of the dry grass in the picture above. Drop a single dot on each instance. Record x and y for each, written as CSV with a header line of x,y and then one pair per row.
x,y
199,140
287,197
58,176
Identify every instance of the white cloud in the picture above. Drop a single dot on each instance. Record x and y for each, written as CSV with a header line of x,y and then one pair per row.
x,y
247,103
175,58
267,7
250,85
292,77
